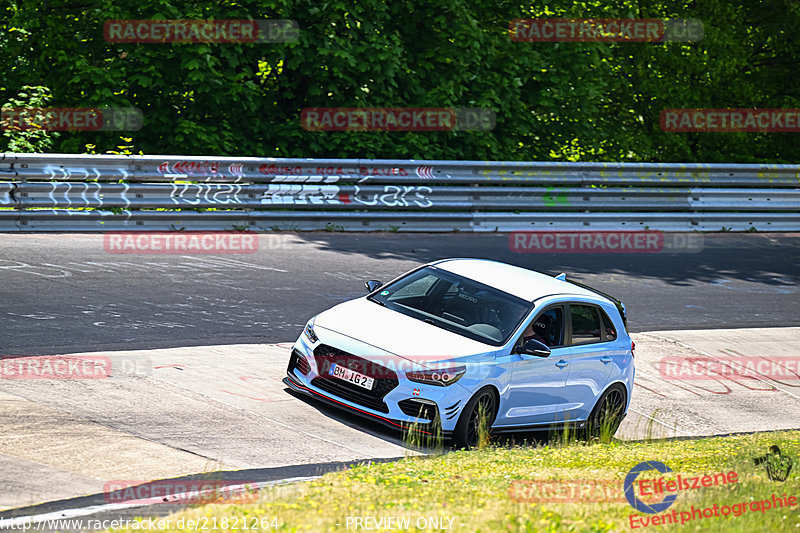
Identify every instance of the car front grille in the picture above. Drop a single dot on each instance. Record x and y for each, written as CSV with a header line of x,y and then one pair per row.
x,y
385,378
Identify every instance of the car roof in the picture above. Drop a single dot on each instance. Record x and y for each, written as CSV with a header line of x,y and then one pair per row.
x,y
520,282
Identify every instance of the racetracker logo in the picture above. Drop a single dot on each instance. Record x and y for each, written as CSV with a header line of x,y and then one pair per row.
x,y
397,119
183,242
728,120
619,242
55,367
186,492
727,367
578,30
570,491
388,366
201,31
70,119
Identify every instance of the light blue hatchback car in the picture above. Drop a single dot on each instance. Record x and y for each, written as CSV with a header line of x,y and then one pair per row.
x,y
455,340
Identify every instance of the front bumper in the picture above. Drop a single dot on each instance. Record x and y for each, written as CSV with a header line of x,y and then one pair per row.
x,y
401,404
424,427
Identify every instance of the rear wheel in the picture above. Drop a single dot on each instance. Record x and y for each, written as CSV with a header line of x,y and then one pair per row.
x,y
607,414
476,420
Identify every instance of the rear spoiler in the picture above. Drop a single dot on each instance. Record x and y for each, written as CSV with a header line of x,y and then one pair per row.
x,y
620,306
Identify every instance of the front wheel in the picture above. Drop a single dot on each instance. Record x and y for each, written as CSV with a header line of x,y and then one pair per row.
x,y
607,414
476,419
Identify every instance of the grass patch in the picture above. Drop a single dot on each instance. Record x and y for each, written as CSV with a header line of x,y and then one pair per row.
x,y
473,488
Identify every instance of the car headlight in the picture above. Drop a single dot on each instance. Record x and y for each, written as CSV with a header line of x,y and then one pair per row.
x,y
309,331
441,377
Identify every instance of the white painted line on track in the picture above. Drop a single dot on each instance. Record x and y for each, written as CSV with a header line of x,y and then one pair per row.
x,y
674,428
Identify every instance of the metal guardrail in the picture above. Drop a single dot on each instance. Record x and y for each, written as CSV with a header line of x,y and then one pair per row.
x,y
63,192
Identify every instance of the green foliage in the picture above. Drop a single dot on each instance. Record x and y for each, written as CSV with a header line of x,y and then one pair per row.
x,y
484,490
553,101
28,138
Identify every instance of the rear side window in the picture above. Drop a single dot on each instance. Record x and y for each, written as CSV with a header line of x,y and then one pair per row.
x,y
585,324
608,326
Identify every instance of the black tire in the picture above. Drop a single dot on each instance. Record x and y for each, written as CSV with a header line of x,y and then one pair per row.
x,y
607,414
465,434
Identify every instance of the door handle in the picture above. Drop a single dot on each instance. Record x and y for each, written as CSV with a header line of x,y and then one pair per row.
x,y
561,364
606,359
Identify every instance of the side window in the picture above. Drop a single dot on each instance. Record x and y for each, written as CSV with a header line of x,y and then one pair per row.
x,y
608,326
585,324
547,327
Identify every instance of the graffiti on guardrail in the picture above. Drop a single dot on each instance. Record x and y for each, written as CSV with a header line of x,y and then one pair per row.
x,y
334,171
236,170
275,170
7,193
122,192
83,196
85,173
424,171
301,194
397,196
190,168
196,193
554,197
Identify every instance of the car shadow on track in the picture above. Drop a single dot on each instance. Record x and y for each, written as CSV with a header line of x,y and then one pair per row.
x,y
380,431
358,423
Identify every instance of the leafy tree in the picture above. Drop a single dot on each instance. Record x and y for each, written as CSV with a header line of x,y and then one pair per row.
x,y
561,101
31,136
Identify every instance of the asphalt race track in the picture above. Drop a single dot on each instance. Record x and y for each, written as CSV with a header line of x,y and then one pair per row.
x,y
200,343
66,294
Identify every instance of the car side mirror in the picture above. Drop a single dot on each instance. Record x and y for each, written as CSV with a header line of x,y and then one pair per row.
x,y
534,347
372,285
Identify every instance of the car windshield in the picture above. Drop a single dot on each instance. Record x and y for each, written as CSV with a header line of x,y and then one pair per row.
x,y
455,303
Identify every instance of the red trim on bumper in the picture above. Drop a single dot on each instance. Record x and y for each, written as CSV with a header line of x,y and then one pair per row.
x,y
392,422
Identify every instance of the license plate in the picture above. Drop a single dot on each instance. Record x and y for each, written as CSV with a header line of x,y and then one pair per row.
x,y
356,378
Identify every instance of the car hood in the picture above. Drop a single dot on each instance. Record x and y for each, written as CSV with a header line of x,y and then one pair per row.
x,y
396,333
